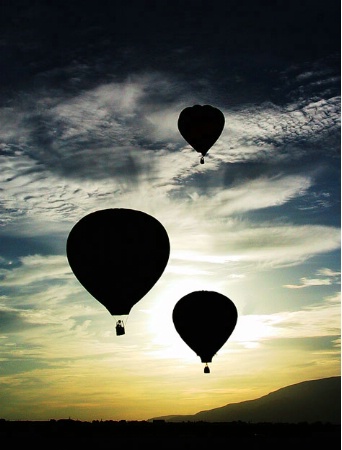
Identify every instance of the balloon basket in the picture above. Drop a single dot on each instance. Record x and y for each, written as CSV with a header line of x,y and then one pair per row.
x,y
120,329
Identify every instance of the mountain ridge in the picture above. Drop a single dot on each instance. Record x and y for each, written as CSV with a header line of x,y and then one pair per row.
x,y
308,401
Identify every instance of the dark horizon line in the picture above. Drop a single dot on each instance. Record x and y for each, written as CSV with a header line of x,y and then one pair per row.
x,y
163,421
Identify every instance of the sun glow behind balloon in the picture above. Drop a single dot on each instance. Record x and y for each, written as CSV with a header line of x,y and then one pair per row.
x,y
159,323
195,327
166,343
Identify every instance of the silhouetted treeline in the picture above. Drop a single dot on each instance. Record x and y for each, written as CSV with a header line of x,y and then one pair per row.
x,y
168,435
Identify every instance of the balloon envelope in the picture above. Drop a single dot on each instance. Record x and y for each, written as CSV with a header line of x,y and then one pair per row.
x,y
201,126
118,255
205,320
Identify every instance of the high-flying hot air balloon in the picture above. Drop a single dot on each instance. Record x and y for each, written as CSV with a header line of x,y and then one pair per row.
x,y
205,320
118,255
201,126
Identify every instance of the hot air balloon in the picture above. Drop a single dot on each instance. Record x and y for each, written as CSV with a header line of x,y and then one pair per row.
x,y
201,126
192,318
118,255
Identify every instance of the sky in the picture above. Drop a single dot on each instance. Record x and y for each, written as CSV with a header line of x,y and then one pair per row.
x,y
90,97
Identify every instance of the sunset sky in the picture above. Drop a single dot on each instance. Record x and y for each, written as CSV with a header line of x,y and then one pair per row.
x,y
90,97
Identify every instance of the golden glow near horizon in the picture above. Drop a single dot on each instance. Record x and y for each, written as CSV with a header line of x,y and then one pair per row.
x,y
91,371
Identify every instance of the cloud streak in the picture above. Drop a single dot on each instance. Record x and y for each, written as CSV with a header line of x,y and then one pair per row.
x,y
330,277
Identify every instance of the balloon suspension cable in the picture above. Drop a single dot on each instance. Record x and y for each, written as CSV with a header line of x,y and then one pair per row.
x,y
206,368
202,160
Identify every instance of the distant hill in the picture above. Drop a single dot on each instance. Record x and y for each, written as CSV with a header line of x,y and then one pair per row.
x,y
310,401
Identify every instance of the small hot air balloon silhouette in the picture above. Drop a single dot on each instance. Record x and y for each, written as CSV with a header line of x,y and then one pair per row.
x,y
118,255
192,319
201,126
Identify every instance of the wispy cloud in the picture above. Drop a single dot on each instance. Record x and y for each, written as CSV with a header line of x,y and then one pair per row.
x,y
316,320
327,277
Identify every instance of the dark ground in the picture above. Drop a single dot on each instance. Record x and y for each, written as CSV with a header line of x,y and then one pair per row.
x,y
159,434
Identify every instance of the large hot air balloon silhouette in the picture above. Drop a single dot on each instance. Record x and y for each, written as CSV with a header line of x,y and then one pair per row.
x,y
201,126
205,320
118,255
